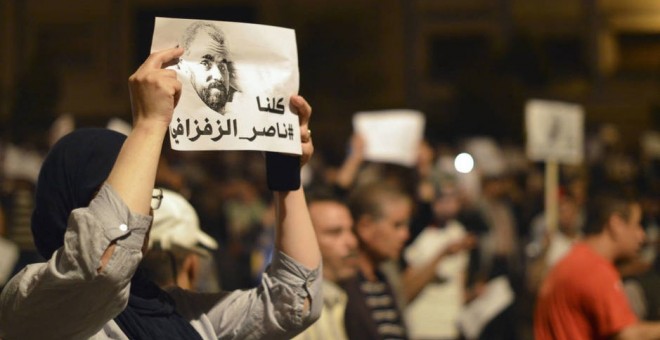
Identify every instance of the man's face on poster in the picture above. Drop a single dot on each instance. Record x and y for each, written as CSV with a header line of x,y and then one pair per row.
x,y
209,74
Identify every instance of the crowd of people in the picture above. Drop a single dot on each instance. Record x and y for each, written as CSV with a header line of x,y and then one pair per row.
x,y
372,250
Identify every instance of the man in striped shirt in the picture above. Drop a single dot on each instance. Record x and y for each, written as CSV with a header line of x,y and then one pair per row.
x,y
381,214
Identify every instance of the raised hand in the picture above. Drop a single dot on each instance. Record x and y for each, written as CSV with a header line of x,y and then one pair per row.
x,y
358,145
154,90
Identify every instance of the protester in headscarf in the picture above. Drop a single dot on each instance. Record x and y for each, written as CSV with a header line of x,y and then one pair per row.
x,y
92,222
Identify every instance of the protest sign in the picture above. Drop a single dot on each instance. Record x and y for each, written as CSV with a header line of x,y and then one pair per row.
x,y
496,296
555,134
555,131
237,80
391,136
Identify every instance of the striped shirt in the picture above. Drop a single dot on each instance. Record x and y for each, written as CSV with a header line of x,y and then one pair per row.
x,y
384,311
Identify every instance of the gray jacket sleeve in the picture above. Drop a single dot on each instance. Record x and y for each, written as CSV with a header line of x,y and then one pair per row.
x,y
272,310
66,298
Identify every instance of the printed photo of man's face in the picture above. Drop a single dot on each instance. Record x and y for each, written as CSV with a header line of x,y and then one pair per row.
x,y
206,61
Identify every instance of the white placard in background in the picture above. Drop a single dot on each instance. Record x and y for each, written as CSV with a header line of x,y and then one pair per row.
x,y
496,296
391,136
237,81
555,131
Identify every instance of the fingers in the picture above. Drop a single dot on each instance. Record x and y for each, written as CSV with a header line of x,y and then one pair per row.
x,y
159,58
145,74
302,109
155,91
305,135
307,151
177,93
175,86
306,144
159,78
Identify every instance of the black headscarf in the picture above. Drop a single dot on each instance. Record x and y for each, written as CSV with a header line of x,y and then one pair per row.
x,y
72,173
151,314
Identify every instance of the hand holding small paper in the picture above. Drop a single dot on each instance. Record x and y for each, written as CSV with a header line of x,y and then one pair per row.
x,y
466,243
358,145
236,83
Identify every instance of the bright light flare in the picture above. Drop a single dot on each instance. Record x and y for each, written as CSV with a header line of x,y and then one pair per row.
x,y
464,163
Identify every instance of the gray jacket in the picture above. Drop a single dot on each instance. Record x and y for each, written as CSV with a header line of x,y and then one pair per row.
x,y
66,298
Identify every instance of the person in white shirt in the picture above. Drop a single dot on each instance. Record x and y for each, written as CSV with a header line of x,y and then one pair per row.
x,y
334,230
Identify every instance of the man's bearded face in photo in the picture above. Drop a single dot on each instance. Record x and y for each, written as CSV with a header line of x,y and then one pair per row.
x,y
209,70
210,80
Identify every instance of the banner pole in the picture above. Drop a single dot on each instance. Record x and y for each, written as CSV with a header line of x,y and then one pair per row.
x,y
551,196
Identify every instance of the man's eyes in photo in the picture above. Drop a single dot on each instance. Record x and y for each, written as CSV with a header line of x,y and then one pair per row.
x,y
207,61
222,65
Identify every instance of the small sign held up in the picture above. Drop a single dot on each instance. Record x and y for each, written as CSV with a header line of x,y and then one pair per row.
x,y
555,131
391,136
236,80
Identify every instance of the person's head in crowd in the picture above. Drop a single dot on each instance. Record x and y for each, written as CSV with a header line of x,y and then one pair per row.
x,y
176,242
615,221
578,189
569,221
381,213
334,231
209,65
72,173
493,186
447,201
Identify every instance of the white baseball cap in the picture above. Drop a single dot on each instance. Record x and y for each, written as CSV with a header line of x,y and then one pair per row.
x,y
176,224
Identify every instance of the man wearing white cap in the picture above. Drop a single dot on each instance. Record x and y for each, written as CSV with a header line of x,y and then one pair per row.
x,y
176,243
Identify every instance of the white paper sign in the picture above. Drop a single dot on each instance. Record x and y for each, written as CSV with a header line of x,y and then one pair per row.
x,y
555,131
391,136
431,242
495,298
237,80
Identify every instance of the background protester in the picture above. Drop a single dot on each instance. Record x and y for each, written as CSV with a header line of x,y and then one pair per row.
x,y
334,230
374,310
437,265
572,305
178,247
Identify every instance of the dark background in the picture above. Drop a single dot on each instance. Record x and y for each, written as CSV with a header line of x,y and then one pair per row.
x,y
469,65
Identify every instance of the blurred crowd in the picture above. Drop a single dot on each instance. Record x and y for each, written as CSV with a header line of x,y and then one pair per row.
x,y
465,232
